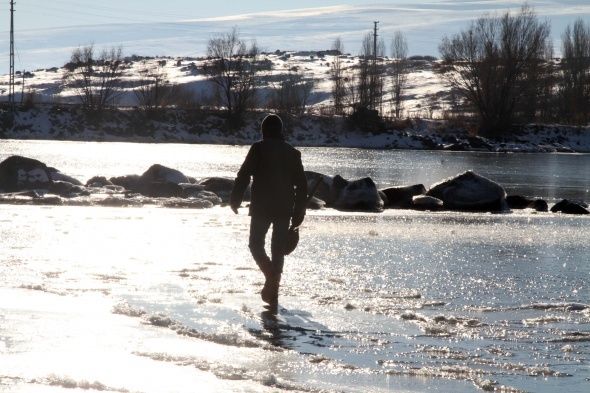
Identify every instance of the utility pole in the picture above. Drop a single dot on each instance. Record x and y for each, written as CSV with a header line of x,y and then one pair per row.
x,y
11,77
374,77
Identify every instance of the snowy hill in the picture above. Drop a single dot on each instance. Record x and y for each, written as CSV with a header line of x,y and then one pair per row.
x,y
52,118
48,87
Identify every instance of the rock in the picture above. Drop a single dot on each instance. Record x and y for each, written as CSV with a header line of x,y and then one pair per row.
x,y
222,187
402,196
192,190
58,176
423,202
209,196
98,181
323,190
520,202
128,182
358,194
540,205
21,173
569,207
316,204
160,181
470,191
66,189
161,190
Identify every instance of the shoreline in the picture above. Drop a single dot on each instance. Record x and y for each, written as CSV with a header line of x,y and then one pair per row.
x,y
70,123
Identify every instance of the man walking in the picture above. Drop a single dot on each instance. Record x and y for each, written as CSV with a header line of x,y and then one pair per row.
x,y
278,197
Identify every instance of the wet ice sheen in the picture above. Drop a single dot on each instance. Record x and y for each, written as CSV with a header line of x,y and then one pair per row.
x,y
166,300
106,297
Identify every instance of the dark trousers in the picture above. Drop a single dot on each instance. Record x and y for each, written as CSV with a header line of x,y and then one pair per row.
x,y
258,229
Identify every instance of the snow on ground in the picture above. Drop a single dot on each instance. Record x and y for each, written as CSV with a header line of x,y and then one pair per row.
x,y
423,100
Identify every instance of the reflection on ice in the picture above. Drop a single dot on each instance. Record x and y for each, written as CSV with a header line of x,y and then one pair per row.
x,y
105,298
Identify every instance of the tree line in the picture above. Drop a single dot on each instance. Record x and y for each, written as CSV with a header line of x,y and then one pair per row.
x,y
501,69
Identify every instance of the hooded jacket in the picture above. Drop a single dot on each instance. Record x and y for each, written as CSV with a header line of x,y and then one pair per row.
x,y
279,186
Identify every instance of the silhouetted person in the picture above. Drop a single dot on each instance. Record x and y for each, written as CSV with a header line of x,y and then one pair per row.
x,y
278,197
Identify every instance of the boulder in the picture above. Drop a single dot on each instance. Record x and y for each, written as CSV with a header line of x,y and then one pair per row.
x,y
402,196
540,205
161,190
67,189
58,176
316,204
423,202
471,192
192,190
21,173
520,202
222,187
128,182
361,194
160,181
323,190
569,207
98,181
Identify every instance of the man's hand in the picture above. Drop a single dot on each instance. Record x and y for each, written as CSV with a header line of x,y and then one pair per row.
x,y
297,219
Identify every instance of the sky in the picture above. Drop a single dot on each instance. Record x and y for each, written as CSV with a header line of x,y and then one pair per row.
x,y
58,13
46,31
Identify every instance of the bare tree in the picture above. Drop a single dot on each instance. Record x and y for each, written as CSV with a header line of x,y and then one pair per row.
x,y
233,69
364,76
495,64
293,93
153,90
370,73
338,79
399,71
96,81
575,66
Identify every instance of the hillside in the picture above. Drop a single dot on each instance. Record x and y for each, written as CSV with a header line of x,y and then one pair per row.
x,y
50,114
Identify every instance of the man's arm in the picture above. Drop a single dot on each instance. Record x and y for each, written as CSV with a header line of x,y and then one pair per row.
x,y
243,178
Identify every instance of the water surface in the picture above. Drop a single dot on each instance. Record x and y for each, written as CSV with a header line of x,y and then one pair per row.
x,y
166,300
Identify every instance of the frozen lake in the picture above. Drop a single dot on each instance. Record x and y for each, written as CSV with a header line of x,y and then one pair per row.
x,y
166,300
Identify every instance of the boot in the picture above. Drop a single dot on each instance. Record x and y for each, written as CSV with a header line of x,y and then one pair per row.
x,y
270,291
265,266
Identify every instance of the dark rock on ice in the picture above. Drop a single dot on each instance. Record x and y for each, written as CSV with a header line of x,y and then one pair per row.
x,y
58,176
402,196
520,202
361,194
161,181
21,173
191,190
423,202
569,207
316,204
67,190
323,190
161,190
471,192
98,181
128,182
222,187
540,205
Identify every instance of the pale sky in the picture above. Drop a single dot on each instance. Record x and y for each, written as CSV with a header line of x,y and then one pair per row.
x,y
35,14
47,30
